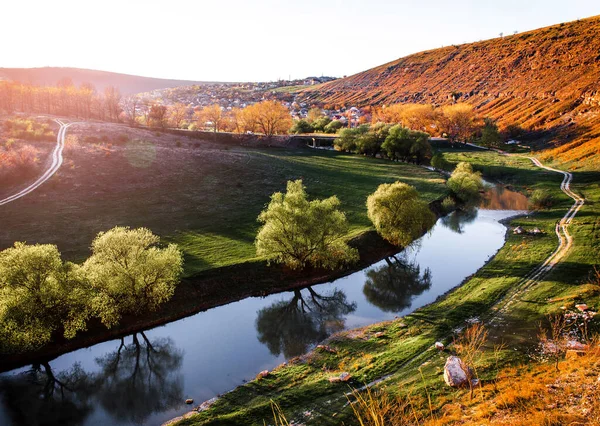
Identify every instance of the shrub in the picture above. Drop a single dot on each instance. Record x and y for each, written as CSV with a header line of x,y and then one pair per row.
x,y
541,199
298,232
398,213
301,126
465,183
333,127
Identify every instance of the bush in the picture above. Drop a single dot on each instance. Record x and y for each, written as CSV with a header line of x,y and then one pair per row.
x,y
439,162
301,126
465,183
398,213
333,127
541,199
298,232
448,204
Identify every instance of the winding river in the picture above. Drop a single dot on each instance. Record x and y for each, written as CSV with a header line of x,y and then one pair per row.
x,y
146,378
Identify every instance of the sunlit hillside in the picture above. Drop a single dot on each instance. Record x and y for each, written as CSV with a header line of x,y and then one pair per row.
x,y
545,81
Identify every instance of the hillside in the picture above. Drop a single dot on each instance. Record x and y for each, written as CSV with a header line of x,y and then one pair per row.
x,y
545,81
126,83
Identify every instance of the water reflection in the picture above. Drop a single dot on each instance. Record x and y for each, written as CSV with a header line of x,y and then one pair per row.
x,y
457,220
497,197
392,286
292,326
135,381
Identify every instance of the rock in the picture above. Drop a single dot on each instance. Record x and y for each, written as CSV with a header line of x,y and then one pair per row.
x,y
379,334
439,346
454,374
582,307
262,374
518,230
189,401
206,404
344,377
536,231
326,348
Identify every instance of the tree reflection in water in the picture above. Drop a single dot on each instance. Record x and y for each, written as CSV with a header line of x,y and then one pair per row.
x,y
135,381
456,220
291,327
391,287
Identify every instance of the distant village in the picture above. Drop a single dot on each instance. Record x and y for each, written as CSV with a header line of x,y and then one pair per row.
x,y
239,95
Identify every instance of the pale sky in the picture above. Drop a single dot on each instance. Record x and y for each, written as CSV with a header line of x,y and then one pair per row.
x,y
262,40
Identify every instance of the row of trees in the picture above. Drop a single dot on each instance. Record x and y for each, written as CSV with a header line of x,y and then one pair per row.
x,y
298,232
63,99
392,141
41,295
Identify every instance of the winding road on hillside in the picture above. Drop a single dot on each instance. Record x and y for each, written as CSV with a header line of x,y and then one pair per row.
x,y
57,160
565,241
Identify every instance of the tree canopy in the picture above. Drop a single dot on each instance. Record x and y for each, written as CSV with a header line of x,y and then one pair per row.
x,y
298,232
398,213
465,183
130,273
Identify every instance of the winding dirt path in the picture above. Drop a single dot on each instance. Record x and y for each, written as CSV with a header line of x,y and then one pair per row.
x,y
565,241
57,160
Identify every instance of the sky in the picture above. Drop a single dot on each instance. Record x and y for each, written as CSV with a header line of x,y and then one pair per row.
x,y
261,40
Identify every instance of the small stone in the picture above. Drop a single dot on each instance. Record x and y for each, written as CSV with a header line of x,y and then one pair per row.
x,y
439,346
334,379
262,374
189,401
344,377
582,307
326,348
379,334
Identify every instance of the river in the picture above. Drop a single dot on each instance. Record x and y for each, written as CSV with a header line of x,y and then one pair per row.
x,y
146,378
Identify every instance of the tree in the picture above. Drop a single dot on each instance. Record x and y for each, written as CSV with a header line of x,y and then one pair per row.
x,y
321,123
39,294
490,136
177,114
458,121
333,126
212,116
465,183
157,116
301,126
298,232
314,114
112,98
130,273
269,117
407,145
398,214
439,162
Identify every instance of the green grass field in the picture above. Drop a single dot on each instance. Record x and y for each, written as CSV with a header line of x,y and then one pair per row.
x,y
406,351
203,196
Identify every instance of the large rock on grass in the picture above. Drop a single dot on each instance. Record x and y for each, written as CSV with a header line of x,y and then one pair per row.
x,y
454,373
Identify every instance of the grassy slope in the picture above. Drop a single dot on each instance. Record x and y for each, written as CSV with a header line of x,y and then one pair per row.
x,y
407,343
205,197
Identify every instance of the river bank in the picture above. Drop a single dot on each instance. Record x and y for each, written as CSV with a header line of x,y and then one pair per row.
x,y
403,350
214,288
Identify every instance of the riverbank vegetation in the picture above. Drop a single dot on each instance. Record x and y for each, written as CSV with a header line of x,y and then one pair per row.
x,y
402,353
43,297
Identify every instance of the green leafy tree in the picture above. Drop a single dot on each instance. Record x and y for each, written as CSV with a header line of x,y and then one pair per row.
x,y
301,126
398,213
40,295
407,145
298,232
130,273
321,123
333,127
439,162
465,183
490,135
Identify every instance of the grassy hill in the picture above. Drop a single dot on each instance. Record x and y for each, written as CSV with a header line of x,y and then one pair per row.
x,y
545,81
126,83
204,196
